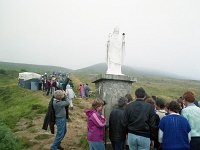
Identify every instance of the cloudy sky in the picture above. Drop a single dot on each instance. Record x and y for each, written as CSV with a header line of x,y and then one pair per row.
x,y
160,34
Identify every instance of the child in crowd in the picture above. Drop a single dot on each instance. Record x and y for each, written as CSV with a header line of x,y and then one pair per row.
x,y
96,123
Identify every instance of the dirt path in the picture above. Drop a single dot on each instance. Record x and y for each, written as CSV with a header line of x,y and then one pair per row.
x,y
30,130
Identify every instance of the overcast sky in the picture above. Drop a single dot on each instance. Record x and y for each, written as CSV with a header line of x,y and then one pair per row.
x,y
160,34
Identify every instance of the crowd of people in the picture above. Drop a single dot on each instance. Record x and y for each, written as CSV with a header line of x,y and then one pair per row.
x,y
147,123
50,83
141,124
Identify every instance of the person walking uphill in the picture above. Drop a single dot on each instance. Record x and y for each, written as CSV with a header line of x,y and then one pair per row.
x,y
139,120
96,123
60,114
71,95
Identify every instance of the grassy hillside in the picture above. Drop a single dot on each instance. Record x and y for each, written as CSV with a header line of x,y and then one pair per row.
x,y
22,110
16,103
167,88
22,114
32,68
155,83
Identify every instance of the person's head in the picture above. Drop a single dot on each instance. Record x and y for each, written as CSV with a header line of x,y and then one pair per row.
x,y
174,107
122,101
58,94
167,107
98,104
140,93
160,104
129,97
150,101
188,97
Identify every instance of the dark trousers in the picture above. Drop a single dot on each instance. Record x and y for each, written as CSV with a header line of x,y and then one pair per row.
x,y
48,90
195,143
118,145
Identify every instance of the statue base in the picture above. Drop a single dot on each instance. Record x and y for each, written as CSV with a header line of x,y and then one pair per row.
x,y
110,88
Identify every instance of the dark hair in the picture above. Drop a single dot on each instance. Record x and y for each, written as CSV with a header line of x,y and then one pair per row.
x,y
189,96
122,101
174,107
140,93
180,101
129,97
160,103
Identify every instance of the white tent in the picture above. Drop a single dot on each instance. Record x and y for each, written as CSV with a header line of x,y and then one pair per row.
x,y
29,75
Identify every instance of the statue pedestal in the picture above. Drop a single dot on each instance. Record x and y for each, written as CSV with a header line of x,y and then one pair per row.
x,y
110,88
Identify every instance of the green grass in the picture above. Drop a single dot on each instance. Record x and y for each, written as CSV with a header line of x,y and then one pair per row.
x,y
7,139
168,89
83,141
16,102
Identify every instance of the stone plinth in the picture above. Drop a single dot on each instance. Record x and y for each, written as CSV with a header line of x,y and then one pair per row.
x,y
110,88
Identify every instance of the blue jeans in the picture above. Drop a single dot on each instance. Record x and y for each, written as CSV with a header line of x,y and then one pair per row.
x,y
137,142
61,124
96,145
118,145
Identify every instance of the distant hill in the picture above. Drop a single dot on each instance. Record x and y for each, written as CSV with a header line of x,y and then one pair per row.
x,y
127,70
90,70
93,69
32,68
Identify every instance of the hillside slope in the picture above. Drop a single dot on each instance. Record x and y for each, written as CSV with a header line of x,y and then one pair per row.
x,y
23,110
127,70
33,68
42,140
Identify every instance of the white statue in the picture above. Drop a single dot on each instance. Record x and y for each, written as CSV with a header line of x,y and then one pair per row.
x,y
115,52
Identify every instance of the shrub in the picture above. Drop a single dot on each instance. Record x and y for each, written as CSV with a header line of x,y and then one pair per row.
x,y
23,70
7,140
2,71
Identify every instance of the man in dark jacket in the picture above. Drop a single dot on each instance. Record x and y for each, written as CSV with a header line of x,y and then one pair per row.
x,y
117,132
139,120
